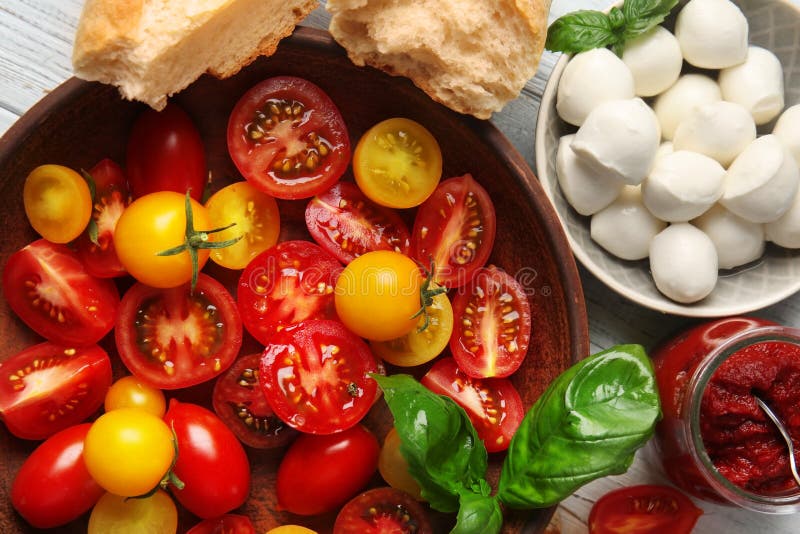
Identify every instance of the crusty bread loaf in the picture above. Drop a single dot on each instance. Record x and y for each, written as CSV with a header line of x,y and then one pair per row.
x,y
471,55
152,49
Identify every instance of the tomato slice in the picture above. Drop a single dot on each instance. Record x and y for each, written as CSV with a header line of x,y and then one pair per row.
x,y
287,138
288,283
492,337
315,375
225,524
111,197
643,509
383,511
240,403
493,404
48,287
47,388
175,338
397,163
58,202
347,224
455,228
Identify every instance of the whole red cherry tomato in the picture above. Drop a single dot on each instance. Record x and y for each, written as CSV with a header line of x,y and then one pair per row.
x,y
53,486
226,524
166,153
211,461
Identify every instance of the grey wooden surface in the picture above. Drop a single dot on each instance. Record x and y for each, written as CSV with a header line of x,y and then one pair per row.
x,y
35,46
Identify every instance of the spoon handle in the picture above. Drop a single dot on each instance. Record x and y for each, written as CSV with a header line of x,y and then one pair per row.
x,y
786,437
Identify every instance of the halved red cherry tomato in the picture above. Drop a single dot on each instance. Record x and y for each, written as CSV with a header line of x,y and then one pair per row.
x,y
492,337
318,474
240,403
383,511
111,197
347,224
288,283
455,228
175,338
48,287
226,524
47,387
644,509
53,486
288,139
492,404
315,375
166,153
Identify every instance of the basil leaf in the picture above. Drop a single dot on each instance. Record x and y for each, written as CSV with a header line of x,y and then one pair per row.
x,y
588,424
642,15
438,441
580,31
478,513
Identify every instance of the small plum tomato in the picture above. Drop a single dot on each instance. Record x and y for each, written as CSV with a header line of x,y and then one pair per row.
x,y
58,202
423,343
643,509
224,524
288,139
131,392
455,229
382,511
155,514
128,451
315,375
318,474
397,163
47,388
255,219
491,339
393,466
378,295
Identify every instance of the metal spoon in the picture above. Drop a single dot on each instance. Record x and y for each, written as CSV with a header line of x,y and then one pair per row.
x,y
784,433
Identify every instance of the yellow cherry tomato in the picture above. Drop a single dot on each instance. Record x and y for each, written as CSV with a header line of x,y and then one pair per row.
x,y
156,514
397,163
128,451
58,202
154,223
393,466
130,392
378,294
257,222
291,529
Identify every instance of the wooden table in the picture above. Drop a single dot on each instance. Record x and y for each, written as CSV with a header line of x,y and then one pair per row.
x,y
35,48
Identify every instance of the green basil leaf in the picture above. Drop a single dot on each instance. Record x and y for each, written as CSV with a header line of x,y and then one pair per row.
x,y
580,31
438,441
642,15
588,424
478,513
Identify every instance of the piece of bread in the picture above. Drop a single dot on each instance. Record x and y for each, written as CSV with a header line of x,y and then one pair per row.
x,y
470,55
152,49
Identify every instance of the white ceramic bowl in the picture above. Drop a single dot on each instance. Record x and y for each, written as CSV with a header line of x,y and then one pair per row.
x,y
775,25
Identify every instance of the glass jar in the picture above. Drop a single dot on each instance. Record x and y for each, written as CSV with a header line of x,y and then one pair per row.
x,y
714,440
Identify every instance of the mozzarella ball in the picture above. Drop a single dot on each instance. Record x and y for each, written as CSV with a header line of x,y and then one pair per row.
x,y
682,185
712,33
785,231
586,190
738,241
655,61
664,149
619,138
589,79
680,100
625,228
757,84
787,129
761,183
683,261
720,130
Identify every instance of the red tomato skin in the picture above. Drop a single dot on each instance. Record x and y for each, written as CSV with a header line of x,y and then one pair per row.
x,y
84,376
91,303
53,486
318,474
165,153
226,524
644,509
211,461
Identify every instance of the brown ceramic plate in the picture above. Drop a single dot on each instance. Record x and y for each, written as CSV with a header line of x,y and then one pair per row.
x,y
80,123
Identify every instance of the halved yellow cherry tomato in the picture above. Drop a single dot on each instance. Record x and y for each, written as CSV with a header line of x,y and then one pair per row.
x,y
397,163
130,392
420,345
291,529
156,514
393,466
58,202
257,221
